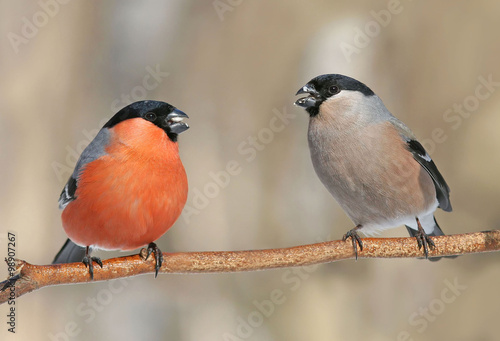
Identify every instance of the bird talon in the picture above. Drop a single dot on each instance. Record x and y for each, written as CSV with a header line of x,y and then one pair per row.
x,y
430,242
356,240
419,243
423,240
97,260
153,248
88,261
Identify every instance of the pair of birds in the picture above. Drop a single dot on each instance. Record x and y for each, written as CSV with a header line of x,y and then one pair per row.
x,y
129,185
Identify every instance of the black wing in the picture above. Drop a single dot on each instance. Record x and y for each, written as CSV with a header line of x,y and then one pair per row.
x,y
442,189
69,253
68,193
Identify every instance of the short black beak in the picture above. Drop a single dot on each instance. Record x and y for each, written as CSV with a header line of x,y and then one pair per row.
x,y
310,100
307,89
174,121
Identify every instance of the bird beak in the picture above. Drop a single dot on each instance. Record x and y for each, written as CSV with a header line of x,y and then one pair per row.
x,y
310,100
174,121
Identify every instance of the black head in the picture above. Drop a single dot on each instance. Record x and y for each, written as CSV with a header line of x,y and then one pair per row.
x,y
325,86
162,114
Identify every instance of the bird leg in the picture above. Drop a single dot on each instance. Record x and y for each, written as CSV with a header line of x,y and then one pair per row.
x,y
356,240
88,261
152,248
423,240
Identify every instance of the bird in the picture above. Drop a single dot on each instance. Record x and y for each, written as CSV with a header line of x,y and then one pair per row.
x,y
371,162
128,187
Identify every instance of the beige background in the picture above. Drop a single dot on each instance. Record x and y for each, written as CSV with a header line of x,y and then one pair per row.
x,y
231,72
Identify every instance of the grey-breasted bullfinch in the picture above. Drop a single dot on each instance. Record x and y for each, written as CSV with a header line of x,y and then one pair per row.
x,y
371,162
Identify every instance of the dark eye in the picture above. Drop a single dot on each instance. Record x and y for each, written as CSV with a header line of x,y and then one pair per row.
x,y
150,116
334,90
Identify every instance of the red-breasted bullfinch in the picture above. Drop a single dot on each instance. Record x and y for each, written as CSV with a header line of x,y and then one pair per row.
x,y
371,162
128,187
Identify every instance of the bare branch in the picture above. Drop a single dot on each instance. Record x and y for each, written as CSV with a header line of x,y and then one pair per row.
x,y
33,277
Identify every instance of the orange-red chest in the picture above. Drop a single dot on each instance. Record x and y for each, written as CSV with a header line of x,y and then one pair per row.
x,y
132,195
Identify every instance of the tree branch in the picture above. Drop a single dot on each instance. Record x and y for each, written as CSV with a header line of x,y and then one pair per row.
x,y
32,277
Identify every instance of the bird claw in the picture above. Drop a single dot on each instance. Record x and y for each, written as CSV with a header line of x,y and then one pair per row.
x,y
356,240
88,261
426,242
423,240
153,248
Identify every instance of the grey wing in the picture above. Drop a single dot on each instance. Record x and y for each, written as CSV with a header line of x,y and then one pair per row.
x,y
93,151
442,189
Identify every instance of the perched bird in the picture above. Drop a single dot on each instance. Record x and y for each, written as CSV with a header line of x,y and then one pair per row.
x,y
128,187
371,162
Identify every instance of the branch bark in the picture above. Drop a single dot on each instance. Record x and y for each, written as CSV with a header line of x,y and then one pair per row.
x,y
33,277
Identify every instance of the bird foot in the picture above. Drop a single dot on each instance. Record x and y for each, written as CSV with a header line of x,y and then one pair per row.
x,y
423,240
153,248
88,261
356,240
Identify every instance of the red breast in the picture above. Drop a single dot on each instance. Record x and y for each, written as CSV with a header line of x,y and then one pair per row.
x,y
132,195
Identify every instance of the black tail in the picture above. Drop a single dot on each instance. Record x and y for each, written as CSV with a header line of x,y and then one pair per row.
x,y
437,232
69,253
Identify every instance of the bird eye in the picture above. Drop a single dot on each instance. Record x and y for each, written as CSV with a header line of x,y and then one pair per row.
x,y
334,89
150,116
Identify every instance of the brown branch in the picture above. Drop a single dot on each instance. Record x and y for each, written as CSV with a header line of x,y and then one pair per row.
x,y
33,277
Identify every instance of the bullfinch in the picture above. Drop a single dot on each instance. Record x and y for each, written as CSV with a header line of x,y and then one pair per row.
x,y
371,162
128,187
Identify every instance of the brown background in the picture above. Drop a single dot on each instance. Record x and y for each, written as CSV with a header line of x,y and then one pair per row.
x,y
231,73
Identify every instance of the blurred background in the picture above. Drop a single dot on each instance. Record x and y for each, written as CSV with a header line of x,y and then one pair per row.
x,y
234,66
